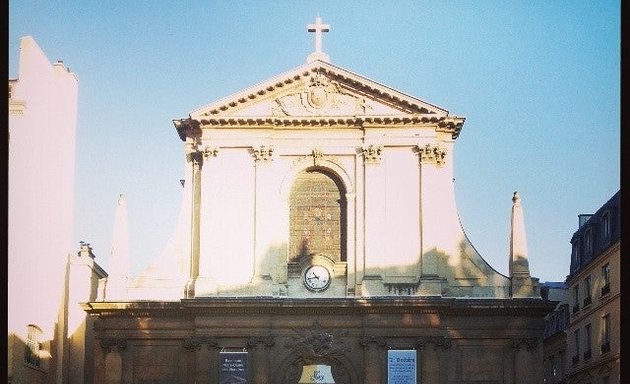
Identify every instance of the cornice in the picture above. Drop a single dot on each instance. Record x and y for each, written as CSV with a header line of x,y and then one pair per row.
x,y
321,306
448,124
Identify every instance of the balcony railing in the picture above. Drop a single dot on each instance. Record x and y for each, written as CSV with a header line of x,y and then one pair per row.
x,y
587,354
587,301
606,347
605,289
575,359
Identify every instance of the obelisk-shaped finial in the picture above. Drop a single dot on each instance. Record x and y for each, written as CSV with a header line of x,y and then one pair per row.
x,y
118,271
519,265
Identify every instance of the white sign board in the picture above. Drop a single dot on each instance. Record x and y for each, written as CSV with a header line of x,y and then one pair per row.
x,y
401,366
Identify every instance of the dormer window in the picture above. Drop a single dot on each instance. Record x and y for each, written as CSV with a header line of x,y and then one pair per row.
x,y
576,254
606,226
588,242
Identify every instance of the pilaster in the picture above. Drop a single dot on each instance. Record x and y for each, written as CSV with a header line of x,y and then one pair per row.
x,y
113,369
374,349
203,282
431,351
260,347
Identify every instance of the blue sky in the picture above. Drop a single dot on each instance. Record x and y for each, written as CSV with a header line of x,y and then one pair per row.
x,y
537,81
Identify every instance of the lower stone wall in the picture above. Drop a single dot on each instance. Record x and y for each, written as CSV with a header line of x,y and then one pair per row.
x,y
202,343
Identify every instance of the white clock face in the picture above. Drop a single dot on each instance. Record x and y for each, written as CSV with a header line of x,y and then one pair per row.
x,y
317,278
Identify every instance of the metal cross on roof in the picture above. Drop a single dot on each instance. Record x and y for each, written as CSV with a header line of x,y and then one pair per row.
x,y
318,28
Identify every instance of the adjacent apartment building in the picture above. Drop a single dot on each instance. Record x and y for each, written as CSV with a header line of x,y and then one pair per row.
x,y
593,332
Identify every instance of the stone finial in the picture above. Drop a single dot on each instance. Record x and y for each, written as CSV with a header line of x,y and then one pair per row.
x,y
516,198
119,261
522,284
519,264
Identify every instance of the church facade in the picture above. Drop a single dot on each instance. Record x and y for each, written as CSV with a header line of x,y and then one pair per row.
x,y
318,226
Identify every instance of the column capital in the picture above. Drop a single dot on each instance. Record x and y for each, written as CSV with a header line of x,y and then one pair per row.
x,y
373,341
112,343
372,154
260,341
529,343
436,342
431,154
263,154
209,151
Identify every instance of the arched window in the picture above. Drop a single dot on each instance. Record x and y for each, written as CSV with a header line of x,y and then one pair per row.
x,y
317,211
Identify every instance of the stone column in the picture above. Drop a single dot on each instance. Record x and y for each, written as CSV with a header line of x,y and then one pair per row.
x,y
194,159
353,282
430,283
374,212
260,347
374,347
188,364
113,367
431,350
205,281
212,363
526,365
263,159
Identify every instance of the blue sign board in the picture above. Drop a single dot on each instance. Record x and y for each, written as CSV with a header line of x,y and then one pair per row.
x,y
401,366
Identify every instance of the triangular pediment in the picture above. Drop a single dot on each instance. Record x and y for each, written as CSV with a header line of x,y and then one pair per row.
x,y
317,89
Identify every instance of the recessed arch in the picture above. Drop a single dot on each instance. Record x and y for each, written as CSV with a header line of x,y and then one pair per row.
x,y
317,215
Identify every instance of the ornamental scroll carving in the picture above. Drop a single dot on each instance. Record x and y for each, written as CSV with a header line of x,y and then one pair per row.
x,y
372,154
431,154
315,343
320,96
317,156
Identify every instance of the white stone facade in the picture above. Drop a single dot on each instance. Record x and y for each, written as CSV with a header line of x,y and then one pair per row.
x,y
392,157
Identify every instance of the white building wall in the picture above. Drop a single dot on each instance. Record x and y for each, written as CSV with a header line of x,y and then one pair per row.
x,y
42,126
41,187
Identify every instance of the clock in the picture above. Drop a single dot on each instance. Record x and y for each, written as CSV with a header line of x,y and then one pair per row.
x,y
317,278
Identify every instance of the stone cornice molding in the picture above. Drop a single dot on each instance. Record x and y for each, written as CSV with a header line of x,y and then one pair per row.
x,y
527,307
448,124
319,69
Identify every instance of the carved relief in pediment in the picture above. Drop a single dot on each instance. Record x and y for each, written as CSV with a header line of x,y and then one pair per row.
x,y
320,97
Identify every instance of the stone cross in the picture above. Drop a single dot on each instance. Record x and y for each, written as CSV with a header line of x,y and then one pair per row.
x,y
318,28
